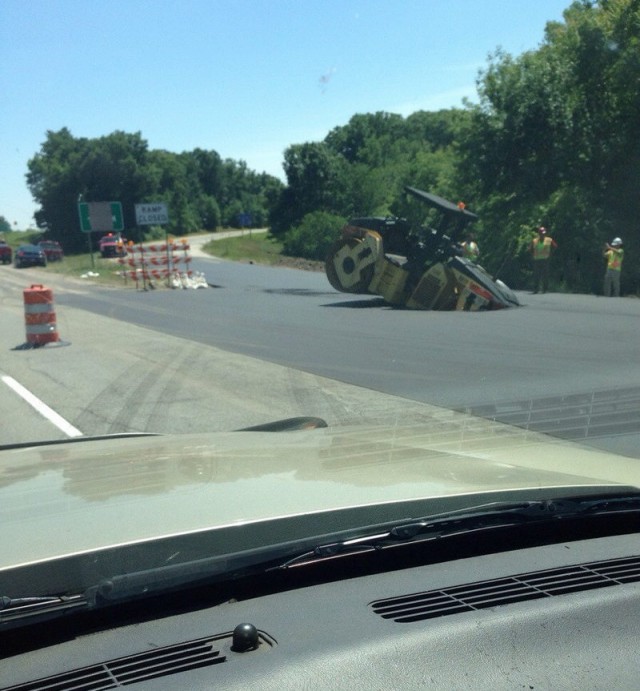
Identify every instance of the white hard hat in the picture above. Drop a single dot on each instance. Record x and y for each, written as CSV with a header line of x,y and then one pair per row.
x,y
616,241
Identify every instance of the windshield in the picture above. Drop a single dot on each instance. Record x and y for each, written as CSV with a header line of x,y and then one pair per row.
x,y
408,230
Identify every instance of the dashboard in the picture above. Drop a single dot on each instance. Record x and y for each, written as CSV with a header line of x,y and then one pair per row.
x,y
560,616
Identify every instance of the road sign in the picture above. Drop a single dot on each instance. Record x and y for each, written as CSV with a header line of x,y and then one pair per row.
x,y
244,219
152,214
101,217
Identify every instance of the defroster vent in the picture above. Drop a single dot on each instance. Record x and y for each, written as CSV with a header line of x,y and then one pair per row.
x,y
504,591
160,662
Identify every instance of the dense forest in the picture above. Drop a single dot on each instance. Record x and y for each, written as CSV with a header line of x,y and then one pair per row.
x,y
553,140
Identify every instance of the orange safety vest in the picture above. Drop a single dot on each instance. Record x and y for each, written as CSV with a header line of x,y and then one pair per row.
x,y
542,250
614,259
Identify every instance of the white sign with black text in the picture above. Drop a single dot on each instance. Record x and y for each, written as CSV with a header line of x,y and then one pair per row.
x,y
152,214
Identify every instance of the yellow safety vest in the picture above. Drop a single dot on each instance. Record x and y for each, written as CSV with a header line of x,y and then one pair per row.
x,y
470,250
542,250
614,259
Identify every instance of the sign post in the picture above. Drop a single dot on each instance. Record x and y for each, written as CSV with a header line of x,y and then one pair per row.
x,y
244,220
100,217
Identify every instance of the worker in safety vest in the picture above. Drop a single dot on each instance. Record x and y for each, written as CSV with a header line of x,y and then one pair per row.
x,y
470,249
614,254
541,247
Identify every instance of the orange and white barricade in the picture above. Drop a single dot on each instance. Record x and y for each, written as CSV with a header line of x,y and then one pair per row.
x,y
161,261
40,316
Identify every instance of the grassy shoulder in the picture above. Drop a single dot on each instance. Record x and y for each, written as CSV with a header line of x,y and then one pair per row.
x,y
260,248
101,271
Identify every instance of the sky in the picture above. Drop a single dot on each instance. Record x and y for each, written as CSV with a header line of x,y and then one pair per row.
x,y
245,78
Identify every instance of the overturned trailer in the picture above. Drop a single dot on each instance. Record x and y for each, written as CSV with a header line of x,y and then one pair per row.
x,y
418,268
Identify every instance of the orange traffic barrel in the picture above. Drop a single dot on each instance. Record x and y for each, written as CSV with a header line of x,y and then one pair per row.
x,y
40,315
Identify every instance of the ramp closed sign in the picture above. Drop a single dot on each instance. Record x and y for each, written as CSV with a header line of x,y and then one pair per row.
x,y
152,214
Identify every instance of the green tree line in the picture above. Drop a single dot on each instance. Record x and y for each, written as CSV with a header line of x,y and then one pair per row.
x,y
202,190
554,140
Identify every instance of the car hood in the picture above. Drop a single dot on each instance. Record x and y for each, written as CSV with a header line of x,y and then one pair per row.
x,y
76,497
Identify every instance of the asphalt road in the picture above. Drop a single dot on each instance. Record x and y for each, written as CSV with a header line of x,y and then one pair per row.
x,y
109,376
564,364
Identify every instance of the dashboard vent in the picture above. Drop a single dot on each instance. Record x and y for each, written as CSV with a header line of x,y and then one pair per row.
x,y
504,591
114,674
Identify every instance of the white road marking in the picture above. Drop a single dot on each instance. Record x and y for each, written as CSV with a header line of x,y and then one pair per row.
x,y
42,408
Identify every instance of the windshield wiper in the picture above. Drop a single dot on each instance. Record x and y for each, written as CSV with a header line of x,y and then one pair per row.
x,y
494,514
480,518
22,611
161,579
350,542
283,556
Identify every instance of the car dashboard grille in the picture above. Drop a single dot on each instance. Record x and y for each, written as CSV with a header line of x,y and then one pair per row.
x,y
160,662
503,591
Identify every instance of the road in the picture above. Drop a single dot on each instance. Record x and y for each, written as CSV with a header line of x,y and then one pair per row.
x,y
565,364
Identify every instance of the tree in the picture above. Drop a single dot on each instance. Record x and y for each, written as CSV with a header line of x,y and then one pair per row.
x,y
315,182
210,172
208,212
199,188
313,237
555,139
367,138
361,169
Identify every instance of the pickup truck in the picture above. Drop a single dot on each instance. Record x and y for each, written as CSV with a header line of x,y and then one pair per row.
x,y
6,255
52,249
112,246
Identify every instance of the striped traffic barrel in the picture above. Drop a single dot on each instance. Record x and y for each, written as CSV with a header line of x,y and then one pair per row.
x,y
40,315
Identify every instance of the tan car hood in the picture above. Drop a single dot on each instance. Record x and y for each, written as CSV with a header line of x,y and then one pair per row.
x,y
76,497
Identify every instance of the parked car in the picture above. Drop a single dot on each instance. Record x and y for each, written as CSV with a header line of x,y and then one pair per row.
x,y
30,255
52,250
113,245
6,253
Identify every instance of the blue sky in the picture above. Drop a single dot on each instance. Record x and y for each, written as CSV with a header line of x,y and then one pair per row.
x,y
246,78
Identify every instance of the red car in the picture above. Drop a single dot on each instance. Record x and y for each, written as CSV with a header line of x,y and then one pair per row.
x,y
6,255
52,250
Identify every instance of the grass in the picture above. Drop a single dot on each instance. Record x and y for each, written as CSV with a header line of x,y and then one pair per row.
x,y
260,248
15,238
77,265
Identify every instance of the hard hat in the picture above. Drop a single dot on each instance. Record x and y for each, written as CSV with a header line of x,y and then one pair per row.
x,y
542,229
616,242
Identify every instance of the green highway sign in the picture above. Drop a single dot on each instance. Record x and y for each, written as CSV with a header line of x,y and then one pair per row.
x,y
101,216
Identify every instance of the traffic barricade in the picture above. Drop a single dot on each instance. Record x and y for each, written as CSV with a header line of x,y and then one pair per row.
x,y
147,264
40,316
